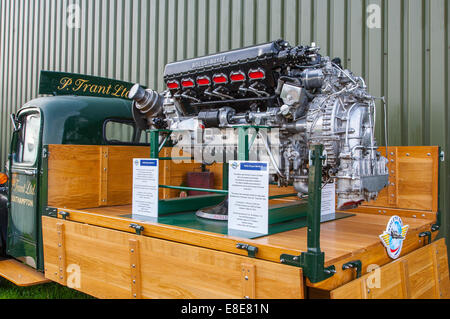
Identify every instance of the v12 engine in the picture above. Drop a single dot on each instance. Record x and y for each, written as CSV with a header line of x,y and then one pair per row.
x,y
303,97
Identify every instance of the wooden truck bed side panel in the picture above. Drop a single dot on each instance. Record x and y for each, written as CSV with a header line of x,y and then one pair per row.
x,y
86,176
422,274
107,261
413,183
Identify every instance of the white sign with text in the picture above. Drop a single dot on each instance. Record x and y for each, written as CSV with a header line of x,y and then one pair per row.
x,y
145,187
248,195
328,199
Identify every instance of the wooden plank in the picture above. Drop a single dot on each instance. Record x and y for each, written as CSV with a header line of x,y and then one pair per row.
x,y
388,211
404,273
62,276
421,276
172,270
443,269
437,281
339,237
21,274
135,268
365,292
120,172
342,240
71,182
248,281
413,179
392,188
174,172
411,276
103,192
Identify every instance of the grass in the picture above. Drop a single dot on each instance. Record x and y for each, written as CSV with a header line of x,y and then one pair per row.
x,y
45,291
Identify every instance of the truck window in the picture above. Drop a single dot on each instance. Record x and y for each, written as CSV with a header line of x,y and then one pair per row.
x,y
28,139
123,132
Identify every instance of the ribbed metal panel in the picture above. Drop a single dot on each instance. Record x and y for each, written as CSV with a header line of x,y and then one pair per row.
x,y
405,60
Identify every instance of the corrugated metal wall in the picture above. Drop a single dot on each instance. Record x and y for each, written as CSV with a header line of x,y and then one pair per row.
x,y
405,60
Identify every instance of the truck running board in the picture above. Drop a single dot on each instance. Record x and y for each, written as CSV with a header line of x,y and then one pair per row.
x,y
20,274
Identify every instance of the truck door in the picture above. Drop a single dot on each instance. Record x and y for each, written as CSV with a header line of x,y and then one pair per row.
x,y
24,170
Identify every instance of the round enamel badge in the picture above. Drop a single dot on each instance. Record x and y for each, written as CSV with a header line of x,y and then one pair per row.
x,y
392,238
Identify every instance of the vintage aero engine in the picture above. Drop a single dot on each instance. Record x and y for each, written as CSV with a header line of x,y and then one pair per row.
x,y
303,97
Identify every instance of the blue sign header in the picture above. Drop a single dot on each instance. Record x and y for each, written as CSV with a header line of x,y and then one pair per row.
x,y
149,162
254,166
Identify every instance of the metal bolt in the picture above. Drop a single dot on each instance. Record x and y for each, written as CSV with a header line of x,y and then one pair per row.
x,y
295,258
246,277
282,260
247,297
414,216
134,295
428,154
132,250
59,244
134,281
133,266
407,154
368,291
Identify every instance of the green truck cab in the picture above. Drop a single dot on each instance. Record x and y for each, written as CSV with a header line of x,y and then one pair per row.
x,y
59,119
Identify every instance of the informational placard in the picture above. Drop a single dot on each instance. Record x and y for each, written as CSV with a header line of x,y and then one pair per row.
x,y
248,198
145,187
328,207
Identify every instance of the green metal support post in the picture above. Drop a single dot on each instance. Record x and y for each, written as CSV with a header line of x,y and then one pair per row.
x,y
313,260
243,151
154,143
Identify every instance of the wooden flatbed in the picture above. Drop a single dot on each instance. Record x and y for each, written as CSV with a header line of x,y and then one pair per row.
x,y
166,261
